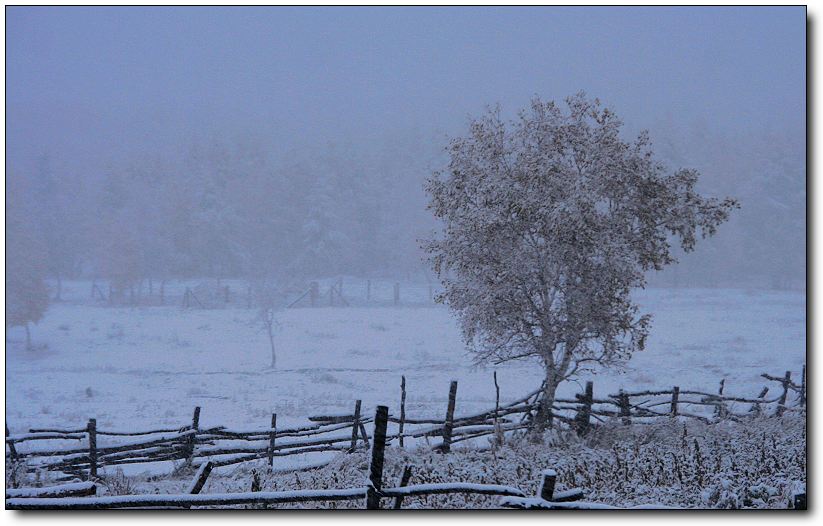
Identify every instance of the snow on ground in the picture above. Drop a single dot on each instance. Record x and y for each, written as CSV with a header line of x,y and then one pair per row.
x,y
144,367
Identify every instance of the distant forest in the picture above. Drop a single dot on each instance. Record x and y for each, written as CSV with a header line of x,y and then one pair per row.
x,y
236,209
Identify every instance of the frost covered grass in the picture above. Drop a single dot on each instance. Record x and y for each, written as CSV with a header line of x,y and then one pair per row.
x,y
753,464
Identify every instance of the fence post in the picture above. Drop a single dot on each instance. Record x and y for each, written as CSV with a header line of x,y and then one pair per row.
x,y
92,431
402,407
195,425
675,398
12,449
272,434
354,426
585,412
787,380
625,407
397,293
547,483
314,293
755,408
404,481
720,408
449,423
226,294
368,290
803,388
496,400
381,420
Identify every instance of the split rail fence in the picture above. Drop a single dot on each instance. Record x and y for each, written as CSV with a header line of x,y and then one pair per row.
x,y
81,496
83,452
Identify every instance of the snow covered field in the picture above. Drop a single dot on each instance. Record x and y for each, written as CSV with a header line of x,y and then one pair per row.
x,y
137,368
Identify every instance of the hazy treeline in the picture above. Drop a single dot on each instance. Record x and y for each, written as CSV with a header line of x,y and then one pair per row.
x,y
236,209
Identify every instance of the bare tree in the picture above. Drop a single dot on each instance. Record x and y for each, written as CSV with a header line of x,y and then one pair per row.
x,y
268,317
549,222
270,298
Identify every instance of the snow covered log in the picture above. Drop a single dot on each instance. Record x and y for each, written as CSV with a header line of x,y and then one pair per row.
x,y
451,487
184,500
78,489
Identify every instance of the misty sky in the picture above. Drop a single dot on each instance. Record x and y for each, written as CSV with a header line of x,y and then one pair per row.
x,y
90,85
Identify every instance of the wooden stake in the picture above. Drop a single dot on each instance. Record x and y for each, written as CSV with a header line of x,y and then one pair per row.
x,y
803,388
675,398
496,399
92,431
404,481
755,408
402,407
449,424
720,409
781,407
381,420
195,425
355,425
12,449
271,438
625,407
547,483
314,293
584,414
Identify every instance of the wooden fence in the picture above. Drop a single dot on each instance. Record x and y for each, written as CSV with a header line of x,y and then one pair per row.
x,y
76,496
237,293
80,496
68,456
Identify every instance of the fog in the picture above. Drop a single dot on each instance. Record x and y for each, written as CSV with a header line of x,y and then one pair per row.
x,y
243,142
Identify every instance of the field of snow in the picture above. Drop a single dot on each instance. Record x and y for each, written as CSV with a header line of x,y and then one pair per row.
x,y
145,367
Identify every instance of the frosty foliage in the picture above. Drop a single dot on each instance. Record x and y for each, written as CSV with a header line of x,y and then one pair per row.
x,y
549,222
758,463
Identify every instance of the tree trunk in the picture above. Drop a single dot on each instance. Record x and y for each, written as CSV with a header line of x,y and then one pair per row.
x,y
544,418
273,355
58,294
28,336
